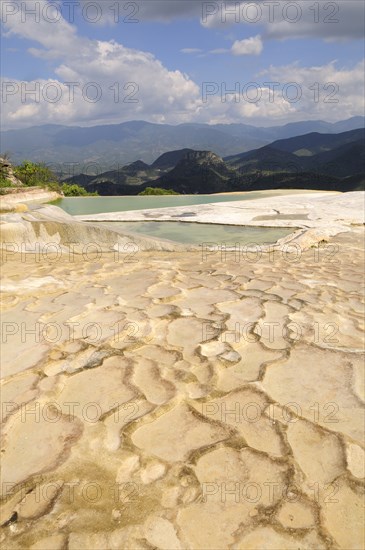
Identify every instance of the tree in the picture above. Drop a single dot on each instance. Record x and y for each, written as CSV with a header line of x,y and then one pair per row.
x,y
34,174
74,190
157,191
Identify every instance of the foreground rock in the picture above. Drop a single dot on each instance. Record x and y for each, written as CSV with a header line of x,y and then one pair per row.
x,y
181,403
18,199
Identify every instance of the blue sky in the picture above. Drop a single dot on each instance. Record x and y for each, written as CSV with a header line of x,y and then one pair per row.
x,y
173,48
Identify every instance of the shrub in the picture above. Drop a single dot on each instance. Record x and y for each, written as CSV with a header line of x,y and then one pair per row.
x,y
4,182
54,186
157,191
34,174
73,190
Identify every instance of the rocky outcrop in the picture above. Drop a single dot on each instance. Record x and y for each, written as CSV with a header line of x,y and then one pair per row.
x,y
198,172
7,172
203,157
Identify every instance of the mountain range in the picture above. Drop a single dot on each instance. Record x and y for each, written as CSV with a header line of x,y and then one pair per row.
x,y
98,149
311,161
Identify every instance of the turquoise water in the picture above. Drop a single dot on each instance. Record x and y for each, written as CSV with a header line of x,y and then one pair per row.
x,y
97,205
198,233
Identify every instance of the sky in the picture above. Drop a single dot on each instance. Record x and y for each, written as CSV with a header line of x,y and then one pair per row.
x,y
261,62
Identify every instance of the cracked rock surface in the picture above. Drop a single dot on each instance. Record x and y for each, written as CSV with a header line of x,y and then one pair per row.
x,y
180,403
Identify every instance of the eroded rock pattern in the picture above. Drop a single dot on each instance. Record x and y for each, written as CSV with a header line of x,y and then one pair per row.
x,y
175,403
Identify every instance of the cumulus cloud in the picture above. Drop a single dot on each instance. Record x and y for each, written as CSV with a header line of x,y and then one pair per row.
x,y
248,46
243,107
280,94
288,93
327,91
100,82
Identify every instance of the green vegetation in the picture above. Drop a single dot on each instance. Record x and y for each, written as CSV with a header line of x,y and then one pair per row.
x,y
157,191
4,182
33,174
75,191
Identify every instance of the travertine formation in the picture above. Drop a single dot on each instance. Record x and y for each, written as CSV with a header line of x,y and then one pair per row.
x,y
17,200
175,402
326,212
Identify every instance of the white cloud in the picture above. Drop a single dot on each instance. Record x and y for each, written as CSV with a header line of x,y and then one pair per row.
x,y
219,51
237,108
60,36
248,46
24,113
289,93
327,92
191,50
177,99
133,84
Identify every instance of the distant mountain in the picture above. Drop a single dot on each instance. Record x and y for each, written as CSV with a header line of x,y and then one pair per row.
x,y
123,181
198,172
312,161
169,160
101,148
292,129
311,152
98,149
265,159
132,178
135,167
314,143
343,161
